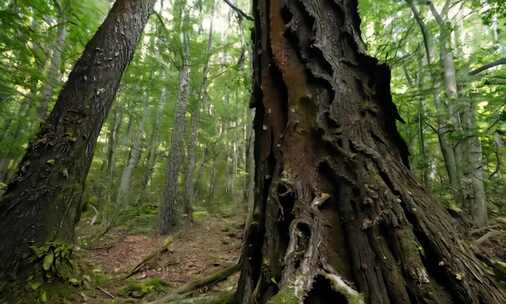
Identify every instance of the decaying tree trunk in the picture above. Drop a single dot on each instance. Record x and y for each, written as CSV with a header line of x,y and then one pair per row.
x,y
338,216
43,201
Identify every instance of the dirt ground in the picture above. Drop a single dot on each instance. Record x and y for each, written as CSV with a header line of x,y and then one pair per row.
x,y
200,250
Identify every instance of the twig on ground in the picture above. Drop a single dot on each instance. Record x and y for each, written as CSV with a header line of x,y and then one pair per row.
x,y
105,292
155,254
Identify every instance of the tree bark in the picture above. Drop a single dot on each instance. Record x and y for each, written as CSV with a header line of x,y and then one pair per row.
x,y
339,217
170,213
249,188
43,202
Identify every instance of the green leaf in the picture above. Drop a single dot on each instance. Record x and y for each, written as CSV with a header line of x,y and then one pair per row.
x,y
34,285
43,297
48,261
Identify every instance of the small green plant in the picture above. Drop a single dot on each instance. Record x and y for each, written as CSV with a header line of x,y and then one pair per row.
x,y
140,290
55,259
56,267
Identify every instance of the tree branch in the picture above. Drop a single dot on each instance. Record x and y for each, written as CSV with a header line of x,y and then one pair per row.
x,y
240,12
488,66
436,14
427,42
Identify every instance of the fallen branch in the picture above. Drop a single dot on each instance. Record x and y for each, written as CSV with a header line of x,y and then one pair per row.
x,y
486,236
155,254
105,292
211,279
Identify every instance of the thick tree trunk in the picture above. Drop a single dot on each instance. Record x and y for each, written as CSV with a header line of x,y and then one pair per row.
x,y
170,213
43,202
339,217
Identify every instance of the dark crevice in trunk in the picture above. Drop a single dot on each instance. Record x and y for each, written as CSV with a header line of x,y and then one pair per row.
x,y
322,292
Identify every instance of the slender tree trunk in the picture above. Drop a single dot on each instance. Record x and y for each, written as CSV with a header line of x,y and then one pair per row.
x,y
462,116
473,171
212,186
189,191
112,139
53,74
200,171
442,115
43,201
154,140
123,196
339,217
421,127
170,213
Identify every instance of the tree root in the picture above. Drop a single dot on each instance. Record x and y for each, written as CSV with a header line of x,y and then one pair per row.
x,y
179,294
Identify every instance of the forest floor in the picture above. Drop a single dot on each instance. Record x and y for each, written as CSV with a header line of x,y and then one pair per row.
x,y
140,267
205,247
